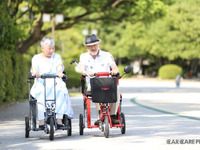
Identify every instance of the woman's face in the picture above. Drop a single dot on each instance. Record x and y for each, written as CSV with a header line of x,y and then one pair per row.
x,y
48,50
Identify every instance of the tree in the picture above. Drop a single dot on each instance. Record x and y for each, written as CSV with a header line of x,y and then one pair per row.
x,y
176,35
7,30
27,14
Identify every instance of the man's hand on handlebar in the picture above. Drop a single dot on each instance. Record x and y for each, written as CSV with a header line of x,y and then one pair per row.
x,y
114,72
90,73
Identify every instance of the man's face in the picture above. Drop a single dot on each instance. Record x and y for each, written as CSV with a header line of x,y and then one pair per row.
x,y
93,49
48,50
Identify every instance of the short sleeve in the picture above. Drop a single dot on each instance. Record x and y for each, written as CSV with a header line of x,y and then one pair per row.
x,y
110,59
34,62
58,60
81,60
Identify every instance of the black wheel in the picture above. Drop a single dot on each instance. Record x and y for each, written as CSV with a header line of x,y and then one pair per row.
x,y
34,114
51,131
69,131
106,127
123,129
27,127
81,125
67,122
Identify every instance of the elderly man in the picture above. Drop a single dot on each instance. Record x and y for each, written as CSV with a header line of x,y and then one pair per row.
x,y
96,60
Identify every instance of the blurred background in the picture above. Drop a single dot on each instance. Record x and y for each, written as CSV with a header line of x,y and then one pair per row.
x,y
159,38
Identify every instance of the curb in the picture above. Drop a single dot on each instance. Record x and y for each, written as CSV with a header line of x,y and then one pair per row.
x,y
133,100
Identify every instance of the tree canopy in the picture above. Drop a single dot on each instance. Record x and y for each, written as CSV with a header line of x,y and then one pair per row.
x,y
27,14
176,35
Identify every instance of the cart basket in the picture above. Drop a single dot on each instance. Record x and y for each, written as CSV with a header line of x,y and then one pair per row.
x,y
104,89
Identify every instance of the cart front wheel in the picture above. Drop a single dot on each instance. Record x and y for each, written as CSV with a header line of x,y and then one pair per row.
x,y
123,129
51,132
106,128
81,125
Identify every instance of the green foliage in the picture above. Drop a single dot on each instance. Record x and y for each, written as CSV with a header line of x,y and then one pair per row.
x,y
149,10
13,76
2,77
25,17
73,78
169,71
7,30
174,36
20,70
8,73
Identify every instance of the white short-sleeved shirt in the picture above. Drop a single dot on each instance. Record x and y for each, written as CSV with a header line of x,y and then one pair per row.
x,y
101,63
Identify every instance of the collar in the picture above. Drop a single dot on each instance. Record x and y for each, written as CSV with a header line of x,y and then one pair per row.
x,y
99,53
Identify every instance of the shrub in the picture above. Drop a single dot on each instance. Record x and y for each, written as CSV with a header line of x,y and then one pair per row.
x,y
2,77
73,77
169,71
20,69
13,76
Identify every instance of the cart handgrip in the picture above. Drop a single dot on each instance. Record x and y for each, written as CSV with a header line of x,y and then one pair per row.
x,y
98,74
48,76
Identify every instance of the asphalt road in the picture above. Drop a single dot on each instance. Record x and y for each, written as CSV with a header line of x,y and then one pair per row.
x,y
146,127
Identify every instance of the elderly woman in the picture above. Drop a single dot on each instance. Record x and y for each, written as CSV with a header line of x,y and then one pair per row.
x,y
48,62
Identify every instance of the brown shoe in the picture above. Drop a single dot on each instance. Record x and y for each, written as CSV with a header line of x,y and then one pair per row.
x,y
114,119
96,122
41,127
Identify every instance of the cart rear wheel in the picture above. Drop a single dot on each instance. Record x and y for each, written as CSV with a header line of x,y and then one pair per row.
x,y
51,132
69,131
27,127
123,129
34,111
67,122
106,128
81,125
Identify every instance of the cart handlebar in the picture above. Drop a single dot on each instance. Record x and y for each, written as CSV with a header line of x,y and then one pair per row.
x,y
99,74
44,76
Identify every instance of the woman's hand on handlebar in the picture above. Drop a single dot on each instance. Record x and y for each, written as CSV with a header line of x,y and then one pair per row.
x,y
37,75
60,75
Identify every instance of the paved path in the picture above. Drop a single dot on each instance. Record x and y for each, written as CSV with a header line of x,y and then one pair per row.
x,y
164,96
152,109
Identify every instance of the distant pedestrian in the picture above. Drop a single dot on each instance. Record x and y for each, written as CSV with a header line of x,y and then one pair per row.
x,y
178,80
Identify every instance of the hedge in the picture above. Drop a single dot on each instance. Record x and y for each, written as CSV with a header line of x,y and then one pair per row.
x,y
13,76
73,77
169,71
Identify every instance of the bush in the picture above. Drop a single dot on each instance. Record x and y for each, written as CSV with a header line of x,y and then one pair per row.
x,y
13,76
20,70
2,77
73,77
169,71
